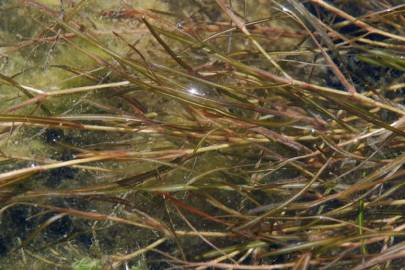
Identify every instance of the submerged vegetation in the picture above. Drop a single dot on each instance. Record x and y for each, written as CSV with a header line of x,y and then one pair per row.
x,y
212,134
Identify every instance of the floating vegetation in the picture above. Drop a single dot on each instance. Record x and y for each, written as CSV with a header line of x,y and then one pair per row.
x,y
202,134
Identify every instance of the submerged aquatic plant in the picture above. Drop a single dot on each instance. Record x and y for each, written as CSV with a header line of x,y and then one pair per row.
x,y
86,264
202,134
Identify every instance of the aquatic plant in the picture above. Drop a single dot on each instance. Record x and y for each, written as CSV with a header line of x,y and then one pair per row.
x,y
202,134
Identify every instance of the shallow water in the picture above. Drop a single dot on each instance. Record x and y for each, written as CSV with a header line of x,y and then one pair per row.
x,y
112,196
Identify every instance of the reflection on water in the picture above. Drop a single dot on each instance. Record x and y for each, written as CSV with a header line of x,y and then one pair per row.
x,y
193,90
